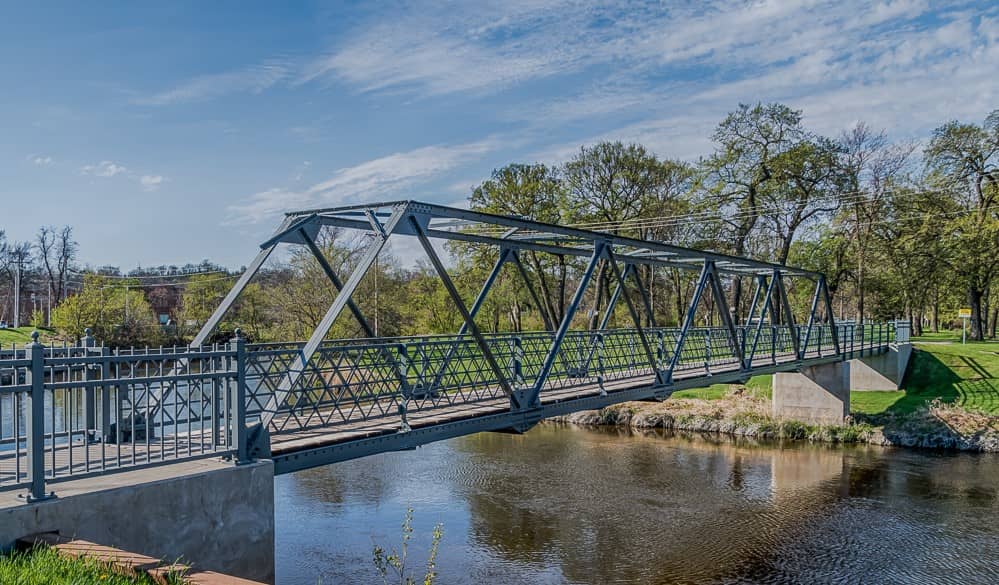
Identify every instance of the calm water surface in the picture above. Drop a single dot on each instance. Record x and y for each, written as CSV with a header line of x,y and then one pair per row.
x,y
578,505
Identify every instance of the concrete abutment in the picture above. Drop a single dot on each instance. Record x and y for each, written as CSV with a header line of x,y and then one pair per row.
x,y
821,394
207,513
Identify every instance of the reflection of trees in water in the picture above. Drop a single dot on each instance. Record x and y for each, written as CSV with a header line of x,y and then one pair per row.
x,y
603,507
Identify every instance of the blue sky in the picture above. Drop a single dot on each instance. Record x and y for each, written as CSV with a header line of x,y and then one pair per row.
x,y
170,132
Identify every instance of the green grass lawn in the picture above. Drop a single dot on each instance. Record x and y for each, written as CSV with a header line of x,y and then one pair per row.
x,y
966,375
43,566
22,335
758,386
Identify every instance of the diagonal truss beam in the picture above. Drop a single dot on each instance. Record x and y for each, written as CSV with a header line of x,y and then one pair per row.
x,y
472,312
726,317
788,314
764,310
811,320
487,353
310,243
301,362
829,314
563,328
689,320
515,256
635,316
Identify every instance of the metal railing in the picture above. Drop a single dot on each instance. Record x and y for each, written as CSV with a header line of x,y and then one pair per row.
x,y
73,411
368,383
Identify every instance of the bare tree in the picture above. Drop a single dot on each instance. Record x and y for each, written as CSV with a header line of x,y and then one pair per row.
x,y
57,253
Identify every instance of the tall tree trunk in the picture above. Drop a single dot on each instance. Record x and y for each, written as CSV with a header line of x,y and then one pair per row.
x,y
562,271
546,295
861,276
977,331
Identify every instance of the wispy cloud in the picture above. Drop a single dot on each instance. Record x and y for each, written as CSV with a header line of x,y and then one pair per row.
x,y
151,182
41,161
893,65
105,169
254,79
369,181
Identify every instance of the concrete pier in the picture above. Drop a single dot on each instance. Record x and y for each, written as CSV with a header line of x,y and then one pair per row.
x,y
206,513
816,394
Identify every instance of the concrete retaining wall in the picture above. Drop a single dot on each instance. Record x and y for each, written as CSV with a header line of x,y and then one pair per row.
x,y
209,514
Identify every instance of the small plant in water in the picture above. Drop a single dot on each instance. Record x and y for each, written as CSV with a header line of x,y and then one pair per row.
x,y
391,564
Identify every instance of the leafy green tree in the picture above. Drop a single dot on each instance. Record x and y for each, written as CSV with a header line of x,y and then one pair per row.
x,y
534,192
963,164
749,145
114,309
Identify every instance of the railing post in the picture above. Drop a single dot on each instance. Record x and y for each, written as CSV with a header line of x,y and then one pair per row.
x,y
600,363
403,365
707,350
105,393
518,362
89,400
35,423
237,402
773,343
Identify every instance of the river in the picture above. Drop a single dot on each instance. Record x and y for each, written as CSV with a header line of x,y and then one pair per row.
x,y
567,504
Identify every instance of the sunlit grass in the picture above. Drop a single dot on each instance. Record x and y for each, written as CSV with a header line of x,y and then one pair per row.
x,y
44,566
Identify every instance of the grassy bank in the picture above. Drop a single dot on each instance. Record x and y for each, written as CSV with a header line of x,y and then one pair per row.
x,y
950,400
22,335
43,566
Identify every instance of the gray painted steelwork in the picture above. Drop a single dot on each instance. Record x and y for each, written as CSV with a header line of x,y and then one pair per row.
x,y
321,401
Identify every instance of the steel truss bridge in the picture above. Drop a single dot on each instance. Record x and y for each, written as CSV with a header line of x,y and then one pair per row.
x,y
71,412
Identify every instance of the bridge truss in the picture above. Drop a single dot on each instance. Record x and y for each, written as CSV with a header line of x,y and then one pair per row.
x,y
86,410
326,400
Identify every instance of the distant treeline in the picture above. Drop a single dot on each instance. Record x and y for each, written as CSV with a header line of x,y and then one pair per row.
x,y
901,229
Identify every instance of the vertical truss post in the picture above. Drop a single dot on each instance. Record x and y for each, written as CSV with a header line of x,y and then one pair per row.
x,y
515,256
301,362
517,361
563,328
726,317
472,312
428,248
811,320
688,321
789,316
403,369
635,316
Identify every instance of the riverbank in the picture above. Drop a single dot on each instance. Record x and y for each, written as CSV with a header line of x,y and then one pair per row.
x,y
951,401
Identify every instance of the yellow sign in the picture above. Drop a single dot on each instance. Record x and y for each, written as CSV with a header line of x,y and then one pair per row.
x,y
964,313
